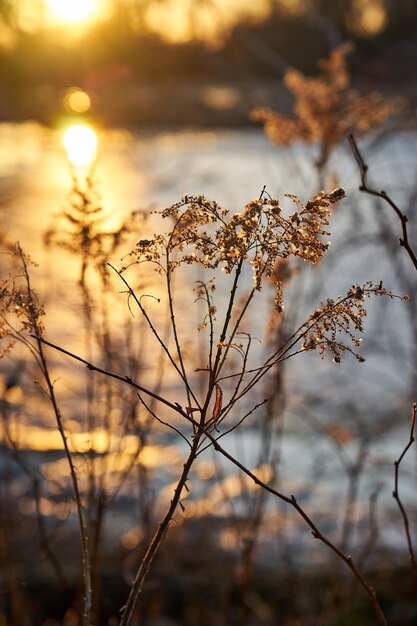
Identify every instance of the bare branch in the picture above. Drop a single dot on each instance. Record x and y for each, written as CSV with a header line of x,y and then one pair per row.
x,y
363,168
201,431
124,379
153,329
158,419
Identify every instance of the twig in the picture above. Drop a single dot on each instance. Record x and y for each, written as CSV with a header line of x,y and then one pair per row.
x,y
363,168
174,329
161,421
154,331
314,530
395,493
232,428
35,477
214,372
100,370
85,554
154,546
86,564
241,375
128,609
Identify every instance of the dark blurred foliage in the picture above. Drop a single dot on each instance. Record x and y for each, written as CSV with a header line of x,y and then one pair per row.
x,y
6,10
120,62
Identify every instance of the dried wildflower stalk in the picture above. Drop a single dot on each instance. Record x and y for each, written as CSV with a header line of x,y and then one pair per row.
x,y
81,230
334,320
204,235
326,107
21,314
202,435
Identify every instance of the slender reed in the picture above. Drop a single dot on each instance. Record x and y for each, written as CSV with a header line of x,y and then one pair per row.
x,y
33,313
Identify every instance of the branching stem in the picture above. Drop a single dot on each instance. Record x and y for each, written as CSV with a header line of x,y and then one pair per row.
x,y
128,609
363,169
156,541
85,554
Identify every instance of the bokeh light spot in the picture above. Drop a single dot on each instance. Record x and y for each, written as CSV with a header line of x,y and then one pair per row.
x,y
80,142
220,97
72,10
372,18
131,538
76,100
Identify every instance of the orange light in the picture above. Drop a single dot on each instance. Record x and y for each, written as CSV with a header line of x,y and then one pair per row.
x,y
76,100
80,143
371,16
72,10
373,19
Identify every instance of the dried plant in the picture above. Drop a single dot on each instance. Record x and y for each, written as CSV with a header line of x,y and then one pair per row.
x,y
326,108
344,319
205,235
21,315
82,231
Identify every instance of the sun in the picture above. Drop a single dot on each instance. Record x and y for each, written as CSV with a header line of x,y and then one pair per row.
x,y
72,10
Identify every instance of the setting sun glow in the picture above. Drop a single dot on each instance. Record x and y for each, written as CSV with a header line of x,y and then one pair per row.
x,y
80,143
72,10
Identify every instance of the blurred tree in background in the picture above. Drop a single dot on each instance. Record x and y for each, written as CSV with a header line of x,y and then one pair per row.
x,y
132,50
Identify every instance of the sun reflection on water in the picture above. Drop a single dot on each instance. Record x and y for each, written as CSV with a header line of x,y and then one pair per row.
x,y
80,143
72,10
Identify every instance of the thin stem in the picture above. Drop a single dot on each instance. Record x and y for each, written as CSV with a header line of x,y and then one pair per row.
x,y
86,566
215,369
154,331
232,428
124,379
241,377
396,494
161,421
236,328
155,544
85,555
201,430
281,353
160,369
314,529
175,332
208,300
363,169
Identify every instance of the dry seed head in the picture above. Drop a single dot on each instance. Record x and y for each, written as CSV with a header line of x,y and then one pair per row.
x,y
204,233
330,324
326,108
